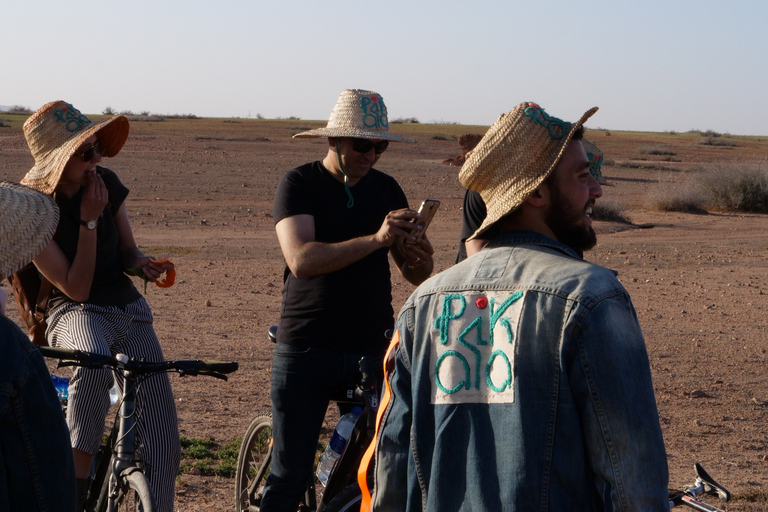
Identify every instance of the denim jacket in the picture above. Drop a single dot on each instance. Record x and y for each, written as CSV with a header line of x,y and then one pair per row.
x,y
37,472
520,381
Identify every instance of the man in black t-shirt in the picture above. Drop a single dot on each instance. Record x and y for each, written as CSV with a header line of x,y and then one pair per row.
x,y
336,220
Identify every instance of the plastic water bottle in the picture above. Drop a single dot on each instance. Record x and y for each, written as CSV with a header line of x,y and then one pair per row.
x,y
62,386
336,445
114,395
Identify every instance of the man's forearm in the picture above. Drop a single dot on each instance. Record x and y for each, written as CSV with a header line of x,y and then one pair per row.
x,y
318,258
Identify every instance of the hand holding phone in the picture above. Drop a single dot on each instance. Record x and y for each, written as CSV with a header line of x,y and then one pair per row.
x,y
427,210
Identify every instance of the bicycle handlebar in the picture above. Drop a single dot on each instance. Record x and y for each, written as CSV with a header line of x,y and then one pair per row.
x,y
704,484
122,362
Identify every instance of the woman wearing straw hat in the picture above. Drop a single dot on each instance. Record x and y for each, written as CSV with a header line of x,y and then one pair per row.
x,y
94,305
36,468
337,220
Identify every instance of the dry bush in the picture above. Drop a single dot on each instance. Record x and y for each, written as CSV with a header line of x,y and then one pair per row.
x,y
19,109
717,141
739,186
656,151
609,210
668,197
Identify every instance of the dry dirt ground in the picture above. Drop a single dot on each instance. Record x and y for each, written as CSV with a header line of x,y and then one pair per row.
x,y
202,192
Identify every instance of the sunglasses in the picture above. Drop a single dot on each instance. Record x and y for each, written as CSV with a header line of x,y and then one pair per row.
x,y
365,145
87,154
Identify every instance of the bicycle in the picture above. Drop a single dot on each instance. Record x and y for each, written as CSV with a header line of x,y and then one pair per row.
x,y
119,482
342,492
704,484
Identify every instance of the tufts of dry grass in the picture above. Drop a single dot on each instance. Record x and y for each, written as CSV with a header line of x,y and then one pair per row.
x,y
676,198
656,151
610,210
741,186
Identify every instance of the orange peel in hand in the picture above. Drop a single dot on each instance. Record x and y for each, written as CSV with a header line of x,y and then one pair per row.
x,y
170,275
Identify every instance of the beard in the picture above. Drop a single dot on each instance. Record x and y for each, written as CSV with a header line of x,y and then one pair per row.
x,y
567,222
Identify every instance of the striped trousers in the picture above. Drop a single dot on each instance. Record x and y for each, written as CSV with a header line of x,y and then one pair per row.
x,y
127,330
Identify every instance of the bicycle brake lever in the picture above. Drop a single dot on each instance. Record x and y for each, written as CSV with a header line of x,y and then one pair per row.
x,y
710,486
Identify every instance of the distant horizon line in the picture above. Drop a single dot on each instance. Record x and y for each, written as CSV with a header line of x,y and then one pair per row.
x,y
5,109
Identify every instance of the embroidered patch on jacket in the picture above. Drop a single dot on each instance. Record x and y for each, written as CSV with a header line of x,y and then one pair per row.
x,y
374,111
473,346
73,119
557,127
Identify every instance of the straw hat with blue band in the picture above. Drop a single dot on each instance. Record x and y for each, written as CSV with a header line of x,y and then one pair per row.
x,y
515,156
358,114
56,131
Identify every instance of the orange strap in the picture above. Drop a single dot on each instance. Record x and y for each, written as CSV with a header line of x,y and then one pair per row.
x,y
386,397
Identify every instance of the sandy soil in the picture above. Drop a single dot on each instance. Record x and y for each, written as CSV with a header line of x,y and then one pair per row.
x,y
202,193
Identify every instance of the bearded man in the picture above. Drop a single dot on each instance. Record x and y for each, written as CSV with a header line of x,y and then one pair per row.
x,y
519,378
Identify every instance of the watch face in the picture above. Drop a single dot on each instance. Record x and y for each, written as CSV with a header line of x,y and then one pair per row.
x,y
91,224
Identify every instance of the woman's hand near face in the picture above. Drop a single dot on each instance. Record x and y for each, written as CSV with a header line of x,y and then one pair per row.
x,y
95,197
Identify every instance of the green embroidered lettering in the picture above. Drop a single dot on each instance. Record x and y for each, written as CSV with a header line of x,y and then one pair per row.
x,y
488,368
445,317
458,386
496,313
474,350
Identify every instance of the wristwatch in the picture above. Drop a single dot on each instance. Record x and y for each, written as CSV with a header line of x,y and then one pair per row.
x,y
91,224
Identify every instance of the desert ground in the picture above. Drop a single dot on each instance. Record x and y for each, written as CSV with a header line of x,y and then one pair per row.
x,y
202,191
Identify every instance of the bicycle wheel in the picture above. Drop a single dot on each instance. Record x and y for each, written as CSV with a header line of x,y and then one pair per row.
x,y
347,500
134,494
253,464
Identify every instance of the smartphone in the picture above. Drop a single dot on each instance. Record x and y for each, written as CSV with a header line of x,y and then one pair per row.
x,y
427,210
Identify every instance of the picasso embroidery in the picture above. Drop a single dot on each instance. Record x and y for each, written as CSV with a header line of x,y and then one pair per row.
x,y
473,353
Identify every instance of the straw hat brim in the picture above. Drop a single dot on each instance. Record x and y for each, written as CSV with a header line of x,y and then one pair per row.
x,y
28,222
46,173
353,133
507,195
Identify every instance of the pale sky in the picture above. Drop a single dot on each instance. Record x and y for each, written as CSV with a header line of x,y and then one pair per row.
x,y
650,65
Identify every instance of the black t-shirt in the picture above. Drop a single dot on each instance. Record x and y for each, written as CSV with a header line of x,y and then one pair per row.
x,y
472,218
111,287
351,308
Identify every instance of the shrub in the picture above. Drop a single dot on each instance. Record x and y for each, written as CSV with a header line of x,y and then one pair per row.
x,y
656,151
676,198
737,187
609,210
715,141
404,120
109,111
19,109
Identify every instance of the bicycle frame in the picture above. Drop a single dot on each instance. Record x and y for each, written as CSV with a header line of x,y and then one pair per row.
x,y
116,465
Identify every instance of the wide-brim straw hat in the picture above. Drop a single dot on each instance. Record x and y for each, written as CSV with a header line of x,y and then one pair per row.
x,y
514,157
28,220
595,157
358,114
55,132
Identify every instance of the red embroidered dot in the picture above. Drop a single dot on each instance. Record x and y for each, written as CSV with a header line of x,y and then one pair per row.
x,y
481,302
375,98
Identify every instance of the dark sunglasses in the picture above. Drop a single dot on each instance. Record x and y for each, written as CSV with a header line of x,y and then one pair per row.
x,y
87,154
365,145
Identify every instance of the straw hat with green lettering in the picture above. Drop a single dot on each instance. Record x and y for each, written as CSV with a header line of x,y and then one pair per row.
x,y
28,220
514,157
358,114
595,157
55,132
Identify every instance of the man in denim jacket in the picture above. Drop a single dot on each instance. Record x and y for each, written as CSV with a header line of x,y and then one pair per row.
x,y
519,378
